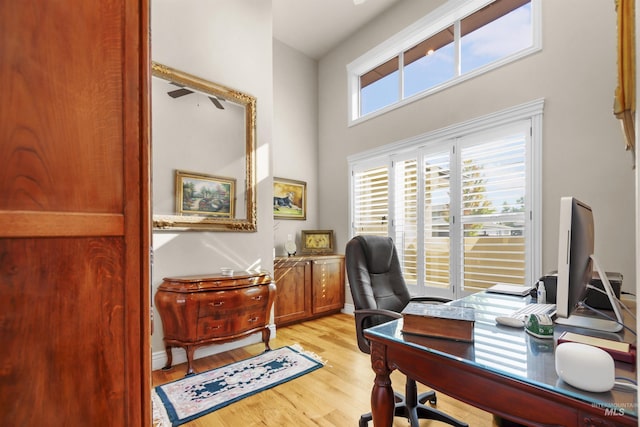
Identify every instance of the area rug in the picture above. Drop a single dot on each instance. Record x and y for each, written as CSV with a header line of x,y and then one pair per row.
x,y
194,396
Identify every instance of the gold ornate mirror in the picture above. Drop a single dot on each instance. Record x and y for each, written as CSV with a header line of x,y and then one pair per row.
x,y
203,154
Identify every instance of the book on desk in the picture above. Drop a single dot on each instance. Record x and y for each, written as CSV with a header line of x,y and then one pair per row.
x,y
439,320
622,351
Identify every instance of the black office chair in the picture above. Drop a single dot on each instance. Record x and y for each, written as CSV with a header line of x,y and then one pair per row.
x,y
379,294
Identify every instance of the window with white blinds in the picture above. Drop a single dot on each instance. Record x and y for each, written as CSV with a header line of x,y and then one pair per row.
x,y
492,214
370,201
437,227
406,217
462,210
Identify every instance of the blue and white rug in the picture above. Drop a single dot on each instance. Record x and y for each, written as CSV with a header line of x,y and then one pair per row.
x,y
186,399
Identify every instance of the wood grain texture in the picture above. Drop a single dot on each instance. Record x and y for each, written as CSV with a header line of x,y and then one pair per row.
x,y
74,213
62,317
62,118
335,395
293,299
308,286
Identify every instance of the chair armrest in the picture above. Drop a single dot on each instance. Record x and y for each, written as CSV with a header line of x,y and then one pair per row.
x,y
361,317
430,299
368,312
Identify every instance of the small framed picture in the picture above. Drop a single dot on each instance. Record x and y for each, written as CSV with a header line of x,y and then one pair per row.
x,y
289,199
200,194
317,242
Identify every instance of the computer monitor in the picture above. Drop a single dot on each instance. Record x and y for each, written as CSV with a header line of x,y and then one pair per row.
x,y
576,262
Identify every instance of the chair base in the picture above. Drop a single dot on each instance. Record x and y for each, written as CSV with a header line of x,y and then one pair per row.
x,y
414,413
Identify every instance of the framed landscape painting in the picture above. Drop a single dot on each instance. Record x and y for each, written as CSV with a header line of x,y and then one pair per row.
x,y
289,199
201,194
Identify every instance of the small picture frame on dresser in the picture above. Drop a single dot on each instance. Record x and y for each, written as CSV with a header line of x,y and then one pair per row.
x,y
317,242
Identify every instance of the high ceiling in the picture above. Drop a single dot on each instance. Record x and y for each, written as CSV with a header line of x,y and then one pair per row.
x,y
314,27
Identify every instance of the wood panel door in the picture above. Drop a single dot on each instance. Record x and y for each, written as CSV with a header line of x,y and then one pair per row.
x,y
74,213
293,290
328,284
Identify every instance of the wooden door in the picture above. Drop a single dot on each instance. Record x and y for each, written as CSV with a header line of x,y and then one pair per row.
x,y
293,290
328,284
74,213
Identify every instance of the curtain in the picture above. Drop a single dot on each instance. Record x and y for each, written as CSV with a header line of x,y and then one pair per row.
x,y
624,106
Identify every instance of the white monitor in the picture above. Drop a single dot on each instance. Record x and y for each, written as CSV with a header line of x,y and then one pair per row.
x,y
576,262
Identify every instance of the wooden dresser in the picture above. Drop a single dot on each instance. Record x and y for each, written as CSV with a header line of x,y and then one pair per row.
x,y
308,287
200,310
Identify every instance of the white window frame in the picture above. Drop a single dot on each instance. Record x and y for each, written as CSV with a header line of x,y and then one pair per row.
x,y
385,155
442,17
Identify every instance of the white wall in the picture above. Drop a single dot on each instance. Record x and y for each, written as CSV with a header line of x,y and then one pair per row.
x,y
227,42
295,134
583,149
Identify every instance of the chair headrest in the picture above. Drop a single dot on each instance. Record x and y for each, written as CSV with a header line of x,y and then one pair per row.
x,y
378,252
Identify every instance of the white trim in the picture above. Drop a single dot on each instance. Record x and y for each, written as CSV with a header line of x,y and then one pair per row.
x,y
508,115
159,358
348,309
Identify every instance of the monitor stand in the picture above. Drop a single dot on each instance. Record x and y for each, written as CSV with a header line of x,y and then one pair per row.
x,y
588,322
595,323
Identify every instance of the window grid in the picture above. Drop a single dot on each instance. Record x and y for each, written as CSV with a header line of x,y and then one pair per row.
x,y
479,36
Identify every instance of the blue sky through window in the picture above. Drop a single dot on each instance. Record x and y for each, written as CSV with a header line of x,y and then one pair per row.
x,y
496,40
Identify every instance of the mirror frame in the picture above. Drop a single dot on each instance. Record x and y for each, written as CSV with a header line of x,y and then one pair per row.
x,y
199,223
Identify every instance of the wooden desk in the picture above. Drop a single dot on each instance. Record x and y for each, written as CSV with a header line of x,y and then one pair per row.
x,y
505,371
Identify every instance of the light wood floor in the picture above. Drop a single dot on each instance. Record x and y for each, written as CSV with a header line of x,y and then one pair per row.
x,y
335,395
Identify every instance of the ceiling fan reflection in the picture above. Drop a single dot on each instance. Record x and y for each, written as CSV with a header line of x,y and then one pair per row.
x,y
184,91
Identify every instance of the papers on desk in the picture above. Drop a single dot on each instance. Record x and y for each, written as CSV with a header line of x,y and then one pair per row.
x,y
503,288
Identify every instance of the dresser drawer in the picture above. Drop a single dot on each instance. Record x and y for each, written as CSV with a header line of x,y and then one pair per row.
x,y
230,323
209,327
224,303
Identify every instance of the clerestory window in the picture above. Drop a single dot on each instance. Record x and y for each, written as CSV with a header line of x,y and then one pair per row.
x,y
459,40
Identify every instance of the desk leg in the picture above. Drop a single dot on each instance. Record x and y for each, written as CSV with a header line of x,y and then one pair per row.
x,y
382,398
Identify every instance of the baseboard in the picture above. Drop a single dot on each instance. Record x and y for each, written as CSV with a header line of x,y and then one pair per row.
x,y
159,358
348,309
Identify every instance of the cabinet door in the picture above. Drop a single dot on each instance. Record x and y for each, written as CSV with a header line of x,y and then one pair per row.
x,y
74,229
328,285
293,291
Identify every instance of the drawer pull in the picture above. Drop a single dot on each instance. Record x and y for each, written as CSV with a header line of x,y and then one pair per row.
x,y
216,303
257,298
253,320
213,328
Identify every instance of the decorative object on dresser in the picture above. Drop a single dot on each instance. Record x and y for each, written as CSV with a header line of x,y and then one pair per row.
x,y
308,287
290,245
317,242
206,309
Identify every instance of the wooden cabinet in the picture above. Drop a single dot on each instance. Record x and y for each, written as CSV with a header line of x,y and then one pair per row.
x,y
201,310
74,214
308,287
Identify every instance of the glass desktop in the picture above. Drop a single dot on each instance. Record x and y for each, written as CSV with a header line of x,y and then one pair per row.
x,y
515,354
